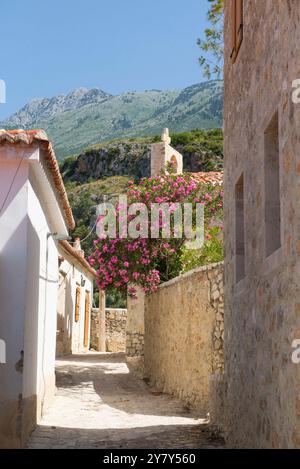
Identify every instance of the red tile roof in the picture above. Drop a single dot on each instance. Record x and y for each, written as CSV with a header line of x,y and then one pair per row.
x,y
212,177
77,256
29,137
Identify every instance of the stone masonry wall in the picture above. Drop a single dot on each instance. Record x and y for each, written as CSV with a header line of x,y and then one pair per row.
x,y
97,333
184,335
135,325
115,325
262,309
134,344
95,329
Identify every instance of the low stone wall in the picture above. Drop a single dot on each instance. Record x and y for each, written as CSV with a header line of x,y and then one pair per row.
x,y
135,328
115,330
184,332
97,330
134,344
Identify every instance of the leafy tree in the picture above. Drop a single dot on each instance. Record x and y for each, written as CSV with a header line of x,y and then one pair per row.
x,y
212,46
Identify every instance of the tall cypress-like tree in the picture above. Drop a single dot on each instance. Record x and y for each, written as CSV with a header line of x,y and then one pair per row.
x,y
212,45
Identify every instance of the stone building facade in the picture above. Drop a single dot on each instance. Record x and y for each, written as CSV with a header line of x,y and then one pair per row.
x,y
184,331
262,223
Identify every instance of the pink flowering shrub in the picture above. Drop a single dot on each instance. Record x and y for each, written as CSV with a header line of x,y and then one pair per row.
x,y
124,262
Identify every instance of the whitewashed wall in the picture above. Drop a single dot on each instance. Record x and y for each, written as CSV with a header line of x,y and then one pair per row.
x,y
70,334
28,295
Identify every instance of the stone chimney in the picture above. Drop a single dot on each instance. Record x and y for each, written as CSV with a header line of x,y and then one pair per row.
x,y
166,137
77,246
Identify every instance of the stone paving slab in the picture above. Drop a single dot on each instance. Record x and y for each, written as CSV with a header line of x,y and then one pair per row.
x,y
99,404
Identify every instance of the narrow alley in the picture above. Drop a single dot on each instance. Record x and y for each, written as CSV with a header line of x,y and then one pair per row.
x,y
99,404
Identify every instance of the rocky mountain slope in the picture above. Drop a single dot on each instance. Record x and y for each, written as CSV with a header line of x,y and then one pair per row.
x,y
201,150
85,117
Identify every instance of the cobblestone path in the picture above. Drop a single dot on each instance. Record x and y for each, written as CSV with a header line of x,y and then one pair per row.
x,y
99,404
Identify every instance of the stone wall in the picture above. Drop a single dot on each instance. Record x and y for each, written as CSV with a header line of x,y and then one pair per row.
x,y
262,406
135,330
134,344
135,325
115,329
184,335
98,333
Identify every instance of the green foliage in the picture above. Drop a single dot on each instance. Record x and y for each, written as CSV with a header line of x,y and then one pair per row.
x,y
202,150
113,299
212,251
116,299
84,200
210,140
212,46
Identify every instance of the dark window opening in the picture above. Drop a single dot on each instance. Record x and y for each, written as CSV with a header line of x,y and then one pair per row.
x,y
239,230
272,188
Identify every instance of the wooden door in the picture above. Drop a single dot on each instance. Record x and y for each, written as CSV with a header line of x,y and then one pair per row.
x,y
86,319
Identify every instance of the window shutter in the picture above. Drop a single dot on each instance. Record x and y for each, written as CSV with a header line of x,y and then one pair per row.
x,y
237,27
77,304
233,30
239,23
86,319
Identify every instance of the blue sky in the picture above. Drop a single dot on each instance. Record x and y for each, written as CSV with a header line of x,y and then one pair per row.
x,y
55,46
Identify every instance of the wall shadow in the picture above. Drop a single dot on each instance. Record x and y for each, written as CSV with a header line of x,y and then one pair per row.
x,y
118,390
156,437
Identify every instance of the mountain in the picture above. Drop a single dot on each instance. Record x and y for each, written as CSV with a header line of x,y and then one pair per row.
x,y
89,116
45,109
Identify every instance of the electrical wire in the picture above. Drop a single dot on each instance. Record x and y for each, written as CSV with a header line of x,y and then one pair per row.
x,y
11,185
90,233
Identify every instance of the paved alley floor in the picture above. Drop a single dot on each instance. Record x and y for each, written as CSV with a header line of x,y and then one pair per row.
x,y
99,404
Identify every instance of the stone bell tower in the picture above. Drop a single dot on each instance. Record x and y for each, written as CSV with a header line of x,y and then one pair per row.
x,y
163,154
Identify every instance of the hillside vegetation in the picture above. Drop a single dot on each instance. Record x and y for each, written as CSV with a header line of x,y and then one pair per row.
x,y
201,150
85,117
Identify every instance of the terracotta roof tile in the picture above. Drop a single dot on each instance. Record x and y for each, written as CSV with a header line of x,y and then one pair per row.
x,y
78,256
29,137
212,177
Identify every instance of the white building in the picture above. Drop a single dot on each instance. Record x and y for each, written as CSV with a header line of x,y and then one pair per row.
x,y
33,207
163,155
75,295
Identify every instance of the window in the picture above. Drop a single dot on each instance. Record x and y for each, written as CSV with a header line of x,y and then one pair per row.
x,y
174,164
239,230
77,304
237,27
272,188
